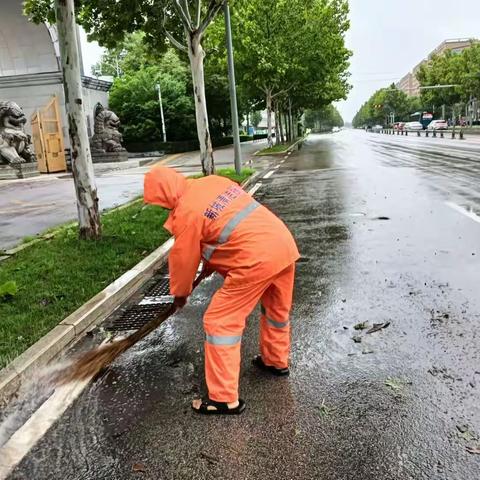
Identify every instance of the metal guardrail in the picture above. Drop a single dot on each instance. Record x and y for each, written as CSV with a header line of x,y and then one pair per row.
x,y
426,133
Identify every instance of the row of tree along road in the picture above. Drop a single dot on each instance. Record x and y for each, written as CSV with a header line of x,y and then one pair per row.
x,y
289,56
449,89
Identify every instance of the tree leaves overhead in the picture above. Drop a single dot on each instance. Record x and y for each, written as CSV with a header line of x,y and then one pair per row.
x,y
294,47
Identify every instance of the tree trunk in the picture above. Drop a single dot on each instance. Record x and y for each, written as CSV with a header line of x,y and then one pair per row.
x,y
196,55
292,128
269,118
287,127
277,131
280,125
82,167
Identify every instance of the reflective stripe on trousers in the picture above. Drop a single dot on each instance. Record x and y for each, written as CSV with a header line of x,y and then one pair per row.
x,y
273,323
223,340
229,228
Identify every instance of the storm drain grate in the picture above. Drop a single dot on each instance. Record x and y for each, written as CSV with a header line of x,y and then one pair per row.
x,y
136,316
159,288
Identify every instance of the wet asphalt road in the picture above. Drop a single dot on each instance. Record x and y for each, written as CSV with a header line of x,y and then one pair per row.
x,y
402,403
29,207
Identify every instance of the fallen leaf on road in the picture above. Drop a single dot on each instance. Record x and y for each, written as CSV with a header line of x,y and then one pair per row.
x,y
357,339
209,458
396,384
138,467
361,326
378,326
325,410
473,450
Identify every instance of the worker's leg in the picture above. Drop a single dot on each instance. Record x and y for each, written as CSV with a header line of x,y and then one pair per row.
x,y
274,322
224,322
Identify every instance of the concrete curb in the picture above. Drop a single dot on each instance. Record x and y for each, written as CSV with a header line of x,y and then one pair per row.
x,y
88,315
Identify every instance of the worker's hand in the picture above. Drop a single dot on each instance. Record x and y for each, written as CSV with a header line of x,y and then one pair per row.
x,y
180,302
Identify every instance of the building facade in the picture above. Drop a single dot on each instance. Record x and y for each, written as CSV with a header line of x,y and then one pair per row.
x,y
30,68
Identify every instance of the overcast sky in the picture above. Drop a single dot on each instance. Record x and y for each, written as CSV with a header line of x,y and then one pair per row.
x,y
388,38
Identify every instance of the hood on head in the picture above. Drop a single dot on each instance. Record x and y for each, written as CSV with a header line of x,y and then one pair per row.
x,y
164,186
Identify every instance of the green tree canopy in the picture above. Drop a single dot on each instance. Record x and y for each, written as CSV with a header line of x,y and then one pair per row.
x,y
460,69
323,119
382,104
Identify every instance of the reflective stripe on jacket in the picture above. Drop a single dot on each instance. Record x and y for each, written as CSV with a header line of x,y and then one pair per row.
x,y
214,218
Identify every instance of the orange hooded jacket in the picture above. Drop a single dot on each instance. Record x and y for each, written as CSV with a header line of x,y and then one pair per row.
x,y
212,217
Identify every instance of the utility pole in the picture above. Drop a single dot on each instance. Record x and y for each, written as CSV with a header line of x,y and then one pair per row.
x,y
164,132
233,91
82,166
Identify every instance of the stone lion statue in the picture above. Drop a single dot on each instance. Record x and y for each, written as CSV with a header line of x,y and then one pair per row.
x,y
106,138
15,144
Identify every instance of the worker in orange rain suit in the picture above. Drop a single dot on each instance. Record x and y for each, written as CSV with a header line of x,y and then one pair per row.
x,y
215,219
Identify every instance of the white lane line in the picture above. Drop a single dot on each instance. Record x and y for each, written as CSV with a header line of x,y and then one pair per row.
x,y
269,174
255,188
26,437
468,213
277,167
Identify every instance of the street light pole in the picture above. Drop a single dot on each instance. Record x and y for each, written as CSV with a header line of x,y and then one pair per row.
x,y
233,92
164,133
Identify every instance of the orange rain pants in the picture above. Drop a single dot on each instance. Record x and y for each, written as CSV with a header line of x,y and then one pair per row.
x,y
224,323
213,219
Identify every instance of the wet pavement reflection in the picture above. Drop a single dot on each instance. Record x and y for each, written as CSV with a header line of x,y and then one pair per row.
x,y
399,403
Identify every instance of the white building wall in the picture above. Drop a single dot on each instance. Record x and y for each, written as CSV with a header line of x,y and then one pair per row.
x,y
25,48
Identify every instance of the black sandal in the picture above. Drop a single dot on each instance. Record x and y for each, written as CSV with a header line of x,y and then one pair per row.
x,y
279,372
221,408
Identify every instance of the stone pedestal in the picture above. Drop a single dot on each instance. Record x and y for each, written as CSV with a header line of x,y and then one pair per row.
x,y
109,157
22,170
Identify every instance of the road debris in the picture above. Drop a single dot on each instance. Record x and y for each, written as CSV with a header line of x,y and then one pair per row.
x,y
396,384
209,458
378,326
361,326
324,410
357,339
466,433
139,467
473,450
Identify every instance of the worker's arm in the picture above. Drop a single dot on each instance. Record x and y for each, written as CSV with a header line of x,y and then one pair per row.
x,y
184,260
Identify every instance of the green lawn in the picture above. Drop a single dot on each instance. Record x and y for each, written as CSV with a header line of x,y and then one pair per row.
x,y
230,173
55,277
275,149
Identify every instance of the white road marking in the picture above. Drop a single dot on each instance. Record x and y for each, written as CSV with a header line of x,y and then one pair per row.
x,y
269,174
26,437
277,167
255,188
468,213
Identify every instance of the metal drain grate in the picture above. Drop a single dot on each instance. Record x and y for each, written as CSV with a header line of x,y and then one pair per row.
x,y
136,316
159,288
